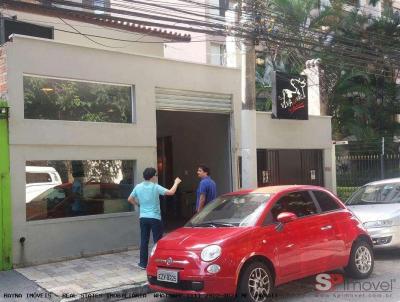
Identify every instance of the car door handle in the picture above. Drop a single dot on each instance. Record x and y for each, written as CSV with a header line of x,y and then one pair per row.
x,y
325,228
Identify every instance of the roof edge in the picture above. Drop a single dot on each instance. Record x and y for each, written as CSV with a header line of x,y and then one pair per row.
x,y
96,19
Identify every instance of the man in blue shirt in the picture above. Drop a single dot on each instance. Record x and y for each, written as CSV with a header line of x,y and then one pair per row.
x,y
207,190
146,196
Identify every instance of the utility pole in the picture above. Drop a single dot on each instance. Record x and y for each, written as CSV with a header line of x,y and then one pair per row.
x,y
248,112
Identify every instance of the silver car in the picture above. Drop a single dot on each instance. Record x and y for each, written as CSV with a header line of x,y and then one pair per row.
x,y
377,205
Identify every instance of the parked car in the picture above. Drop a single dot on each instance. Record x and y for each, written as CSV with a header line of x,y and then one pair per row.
x,y
377,205
245,243
39,180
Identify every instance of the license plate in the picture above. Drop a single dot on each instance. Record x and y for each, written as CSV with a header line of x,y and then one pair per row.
x,y
167,275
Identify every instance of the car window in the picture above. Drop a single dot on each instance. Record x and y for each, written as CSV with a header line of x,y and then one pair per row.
x,y
376,194
299,203
326,202
231,210
37,177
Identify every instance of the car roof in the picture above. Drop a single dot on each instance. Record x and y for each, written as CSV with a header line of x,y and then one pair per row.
x,y
277,189
384,181
38,169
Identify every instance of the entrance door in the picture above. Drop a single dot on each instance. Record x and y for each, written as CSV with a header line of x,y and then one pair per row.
x,y
169,204
288,167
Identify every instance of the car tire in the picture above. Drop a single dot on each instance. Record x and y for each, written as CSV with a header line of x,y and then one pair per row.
x,y
256,283
361,262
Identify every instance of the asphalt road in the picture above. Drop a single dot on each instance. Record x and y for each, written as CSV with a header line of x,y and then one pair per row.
x,y
383,285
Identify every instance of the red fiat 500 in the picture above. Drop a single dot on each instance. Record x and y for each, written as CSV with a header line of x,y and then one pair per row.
x,y
246,243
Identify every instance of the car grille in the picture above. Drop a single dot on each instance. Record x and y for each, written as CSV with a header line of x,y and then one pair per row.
x,y
181,285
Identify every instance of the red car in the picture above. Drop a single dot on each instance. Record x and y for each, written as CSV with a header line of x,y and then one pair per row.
x,y
245,243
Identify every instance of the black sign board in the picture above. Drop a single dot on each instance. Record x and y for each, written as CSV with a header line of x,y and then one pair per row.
x,y
290,97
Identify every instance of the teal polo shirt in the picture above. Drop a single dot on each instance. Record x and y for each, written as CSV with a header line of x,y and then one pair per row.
x,y
148,195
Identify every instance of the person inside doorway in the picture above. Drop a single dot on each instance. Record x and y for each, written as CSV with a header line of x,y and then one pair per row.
x,y
207,189
146,196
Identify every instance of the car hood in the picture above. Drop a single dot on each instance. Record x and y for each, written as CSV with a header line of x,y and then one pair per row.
x,y
197,238
375,212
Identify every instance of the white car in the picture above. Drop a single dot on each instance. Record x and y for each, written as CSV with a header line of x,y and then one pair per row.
x,y
39,180
377,205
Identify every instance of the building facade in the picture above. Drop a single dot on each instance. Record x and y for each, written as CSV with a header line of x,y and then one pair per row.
x,y
86,119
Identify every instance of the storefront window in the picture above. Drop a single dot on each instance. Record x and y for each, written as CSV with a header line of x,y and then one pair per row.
x,y
56,99
65,188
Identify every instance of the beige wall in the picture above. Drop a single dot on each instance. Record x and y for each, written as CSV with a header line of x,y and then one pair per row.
x,y
52,140
314,133
67,140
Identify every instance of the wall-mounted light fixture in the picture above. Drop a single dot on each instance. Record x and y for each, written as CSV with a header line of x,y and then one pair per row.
x,y
4,113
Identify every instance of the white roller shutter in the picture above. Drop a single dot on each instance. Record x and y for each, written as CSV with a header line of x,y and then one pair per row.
x,y
183,100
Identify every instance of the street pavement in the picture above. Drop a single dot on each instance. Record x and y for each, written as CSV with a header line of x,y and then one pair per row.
x,y
383,285
98,278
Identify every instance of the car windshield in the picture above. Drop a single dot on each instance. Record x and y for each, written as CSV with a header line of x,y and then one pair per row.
x,y
231,211
376,194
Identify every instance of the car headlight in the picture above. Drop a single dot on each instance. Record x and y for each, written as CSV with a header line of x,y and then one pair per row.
x,y
211,253
153,250
378,223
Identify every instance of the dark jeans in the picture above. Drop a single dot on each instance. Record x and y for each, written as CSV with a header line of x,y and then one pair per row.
x,y
147,225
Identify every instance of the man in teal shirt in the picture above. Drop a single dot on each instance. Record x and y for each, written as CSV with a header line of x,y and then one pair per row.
x,y
146,196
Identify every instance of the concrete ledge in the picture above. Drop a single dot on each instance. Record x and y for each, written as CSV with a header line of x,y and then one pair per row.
x,y
111,294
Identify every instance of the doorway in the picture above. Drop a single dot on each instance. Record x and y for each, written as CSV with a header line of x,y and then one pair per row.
x,y
289,167
185,140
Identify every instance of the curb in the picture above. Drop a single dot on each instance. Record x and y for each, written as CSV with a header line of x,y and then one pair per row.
x,y
136,290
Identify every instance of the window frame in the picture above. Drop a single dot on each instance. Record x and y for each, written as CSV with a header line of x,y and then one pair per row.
x,y
132,95
302,217
319,206
55,220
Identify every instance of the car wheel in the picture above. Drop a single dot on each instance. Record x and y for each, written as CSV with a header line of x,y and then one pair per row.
x,y
361,262
256,283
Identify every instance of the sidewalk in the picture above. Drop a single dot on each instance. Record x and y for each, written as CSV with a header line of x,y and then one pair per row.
x,y
107,277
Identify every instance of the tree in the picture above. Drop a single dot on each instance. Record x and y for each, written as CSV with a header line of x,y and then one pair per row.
x,y
358,58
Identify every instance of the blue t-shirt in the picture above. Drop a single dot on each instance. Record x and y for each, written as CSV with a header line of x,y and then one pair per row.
x,y
207,187
148,195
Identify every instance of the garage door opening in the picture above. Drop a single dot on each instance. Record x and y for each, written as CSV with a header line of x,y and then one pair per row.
x,y
185,140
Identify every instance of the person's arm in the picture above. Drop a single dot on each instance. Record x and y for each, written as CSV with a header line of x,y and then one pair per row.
x,y
132,200
174,187
202,201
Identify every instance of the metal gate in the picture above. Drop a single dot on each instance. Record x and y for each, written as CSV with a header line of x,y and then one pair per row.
x,y
287,167
184,100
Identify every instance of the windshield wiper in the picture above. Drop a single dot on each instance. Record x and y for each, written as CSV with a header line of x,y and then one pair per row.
x,y
213,224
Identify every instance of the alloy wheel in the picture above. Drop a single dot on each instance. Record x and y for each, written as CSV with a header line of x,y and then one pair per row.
x,y
259,285
363,259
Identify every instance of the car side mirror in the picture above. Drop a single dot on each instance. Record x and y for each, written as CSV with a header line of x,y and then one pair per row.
x,y
286,217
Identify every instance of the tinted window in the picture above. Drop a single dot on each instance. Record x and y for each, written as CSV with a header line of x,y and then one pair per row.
x,y
299,203
325,201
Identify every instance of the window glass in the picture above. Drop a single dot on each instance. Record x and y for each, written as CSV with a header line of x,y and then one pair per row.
x,y
77,188
299,203
325,201
232,210
37,177
376,194
56,99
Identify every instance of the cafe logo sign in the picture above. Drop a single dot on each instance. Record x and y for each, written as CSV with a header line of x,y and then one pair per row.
x,y
290,99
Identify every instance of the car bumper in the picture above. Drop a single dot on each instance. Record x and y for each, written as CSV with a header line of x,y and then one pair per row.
x,y
193,277
387,237
197,286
